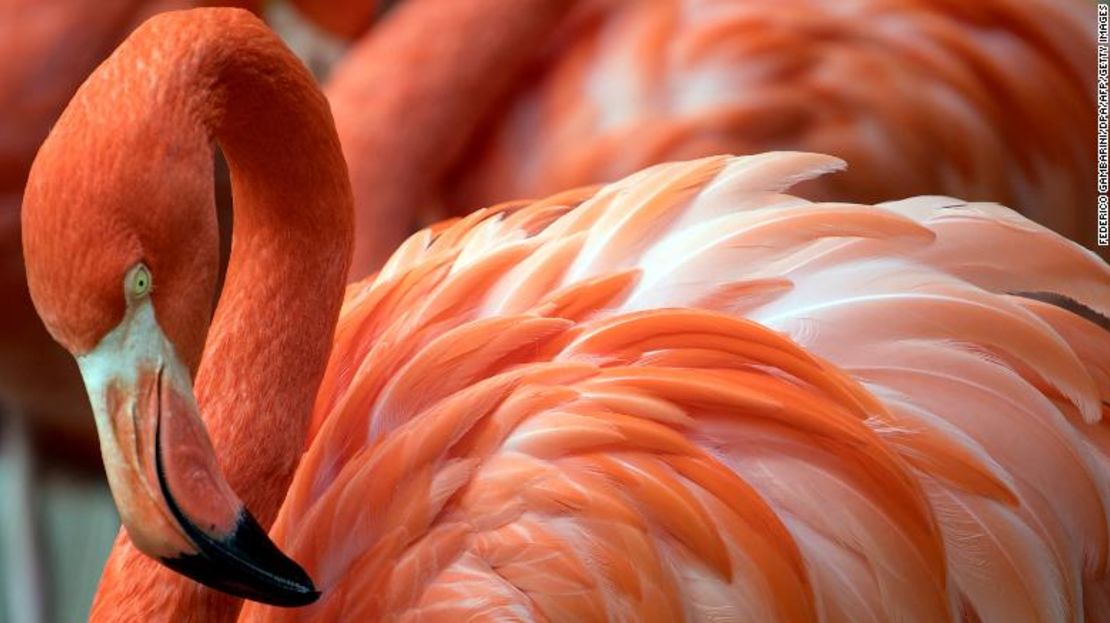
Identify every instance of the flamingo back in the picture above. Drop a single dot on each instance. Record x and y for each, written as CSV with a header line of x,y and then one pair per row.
x,y
690,395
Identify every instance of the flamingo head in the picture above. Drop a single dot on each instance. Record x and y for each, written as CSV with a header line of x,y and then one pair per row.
x,y
120,245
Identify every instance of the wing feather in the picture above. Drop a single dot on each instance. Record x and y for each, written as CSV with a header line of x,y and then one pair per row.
x,y
690,396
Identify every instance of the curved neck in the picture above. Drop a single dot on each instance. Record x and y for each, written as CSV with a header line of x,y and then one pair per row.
x,y
221,75
408,98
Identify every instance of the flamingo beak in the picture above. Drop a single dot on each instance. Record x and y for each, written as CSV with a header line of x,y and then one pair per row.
x,y
171,495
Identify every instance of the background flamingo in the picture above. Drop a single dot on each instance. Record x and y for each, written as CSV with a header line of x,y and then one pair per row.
x,y
633,403
992,100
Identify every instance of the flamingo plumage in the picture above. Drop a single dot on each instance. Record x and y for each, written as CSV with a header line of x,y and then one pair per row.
x,y
991,100
687,395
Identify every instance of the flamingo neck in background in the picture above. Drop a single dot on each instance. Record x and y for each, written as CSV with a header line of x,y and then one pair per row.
x,y
410,95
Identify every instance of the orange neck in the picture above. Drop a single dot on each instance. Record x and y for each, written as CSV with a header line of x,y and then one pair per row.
x,y
269,340
410,96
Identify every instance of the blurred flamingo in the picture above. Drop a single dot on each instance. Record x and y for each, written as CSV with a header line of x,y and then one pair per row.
x,y
687,395
989,100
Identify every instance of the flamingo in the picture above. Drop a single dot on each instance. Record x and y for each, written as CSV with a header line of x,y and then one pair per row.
x,y
990,100
49,47
686,395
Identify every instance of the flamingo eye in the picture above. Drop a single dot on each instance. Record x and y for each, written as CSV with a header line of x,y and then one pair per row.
x,y
138,281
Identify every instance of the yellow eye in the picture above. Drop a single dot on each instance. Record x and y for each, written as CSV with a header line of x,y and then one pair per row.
x,y
139,281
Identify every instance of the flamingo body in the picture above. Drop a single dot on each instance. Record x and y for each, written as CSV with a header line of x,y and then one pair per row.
x,y
689,395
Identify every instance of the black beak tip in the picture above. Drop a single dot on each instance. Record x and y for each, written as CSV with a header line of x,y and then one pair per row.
x,y
246,564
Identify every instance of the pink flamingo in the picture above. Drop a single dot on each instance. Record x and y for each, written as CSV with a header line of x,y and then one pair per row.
x,y
687,395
